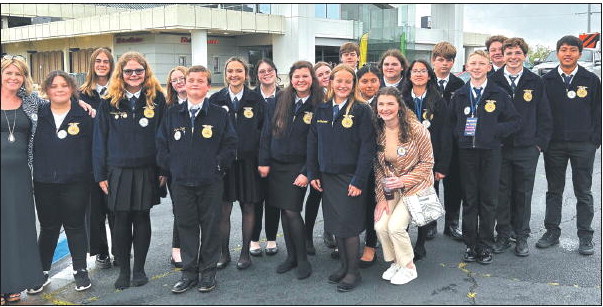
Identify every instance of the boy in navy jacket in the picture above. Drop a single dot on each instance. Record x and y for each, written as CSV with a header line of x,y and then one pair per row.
x,y
195,142
575,97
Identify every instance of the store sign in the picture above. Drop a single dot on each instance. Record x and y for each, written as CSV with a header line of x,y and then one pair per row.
x,y
185,39
213,41
125,40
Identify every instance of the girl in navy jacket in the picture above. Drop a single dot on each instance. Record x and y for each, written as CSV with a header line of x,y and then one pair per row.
x,y
124,159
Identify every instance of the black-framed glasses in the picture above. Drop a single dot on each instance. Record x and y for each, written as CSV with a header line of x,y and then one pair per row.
x,y
138,71
178,80
12,57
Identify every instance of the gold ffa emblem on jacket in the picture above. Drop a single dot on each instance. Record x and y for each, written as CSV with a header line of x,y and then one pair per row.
x,y
490,106
308,117
581,91
527,95
73,128
248,112
347,121
148,112
207,132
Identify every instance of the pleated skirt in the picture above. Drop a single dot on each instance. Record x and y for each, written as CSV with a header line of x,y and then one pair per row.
x,y
133,189
344,216
242,182
282,193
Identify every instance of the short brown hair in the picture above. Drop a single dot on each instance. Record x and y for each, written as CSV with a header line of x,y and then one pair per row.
x,y
199,68
349,47
396,54
47,83
445,50
495,38
515,42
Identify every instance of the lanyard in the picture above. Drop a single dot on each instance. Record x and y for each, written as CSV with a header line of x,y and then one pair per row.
x,y
474,102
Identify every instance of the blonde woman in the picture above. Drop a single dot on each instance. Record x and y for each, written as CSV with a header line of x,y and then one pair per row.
x,y
124,159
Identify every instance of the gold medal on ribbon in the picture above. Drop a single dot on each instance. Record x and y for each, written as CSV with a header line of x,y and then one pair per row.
x,y
73,129
308,117
347,121
248,112
207,132
490,106
149,112
527,95
427,115
581,91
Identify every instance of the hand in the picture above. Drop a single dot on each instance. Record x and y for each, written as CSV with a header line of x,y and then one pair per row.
x,y
395,183
301,181
87,107
439,176
104,185
263,170
316,185
162,180
353,191
381,207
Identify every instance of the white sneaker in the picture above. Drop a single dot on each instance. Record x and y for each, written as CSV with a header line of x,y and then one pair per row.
x,y
403,276
389,273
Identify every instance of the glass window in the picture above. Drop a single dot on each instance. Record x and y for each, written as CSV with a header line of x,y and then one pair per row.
x,y
264,8
320,10
333,11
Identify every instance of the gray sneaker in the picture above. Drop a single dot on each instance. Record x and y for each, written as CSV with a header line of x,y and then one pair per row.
x,y
548,239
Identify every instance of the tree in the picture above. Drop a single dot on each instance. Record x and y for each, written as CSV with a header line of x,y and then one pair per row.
x,y
539,52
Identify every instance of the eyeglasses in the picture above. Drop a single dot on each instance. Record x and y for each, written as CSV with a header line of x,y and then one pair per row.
x,y
265,71
178,80
418,72
129,72
12,57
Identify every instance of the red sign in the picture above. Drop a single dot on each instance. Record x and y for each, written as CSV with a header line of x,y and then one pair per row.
x,y
123,40
185,39
213,41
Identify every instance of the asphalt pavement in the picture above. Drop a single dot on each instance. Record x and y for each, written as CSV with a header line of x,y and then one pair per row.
x,y
553,276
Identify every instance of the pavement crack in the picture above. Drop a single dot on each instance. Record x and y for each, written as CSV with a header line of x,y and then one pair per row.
x,y
471,293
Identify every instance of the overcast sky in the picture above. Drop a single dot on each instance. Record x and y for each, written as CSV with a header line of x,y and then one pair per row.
x,y
537,23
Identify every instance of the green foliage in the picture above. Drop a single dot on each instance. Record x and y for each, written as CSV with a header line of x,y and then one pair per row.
x,y
539,52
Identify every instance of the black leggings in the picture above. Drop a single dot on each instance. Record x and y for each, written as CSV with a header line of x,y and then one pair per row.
x,y
293,227
248,214
132,228
62,205
270,223
175,236
311,212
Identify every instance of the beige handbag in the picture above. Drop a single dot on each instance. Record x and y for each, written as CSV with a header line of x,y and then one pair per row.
x,y
424,207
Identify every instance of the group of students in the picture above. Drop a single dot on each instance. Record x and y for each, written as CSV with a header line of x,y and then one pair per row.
x,y
351,134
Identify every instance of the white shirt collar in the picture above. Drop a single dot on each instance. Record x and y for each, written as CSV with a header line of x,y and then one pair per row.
x,y
137,94
494,67
271,95
181,100
303,99
99,88
412,93
190,105
483,86
239,96
341,105
445,80
507,74
392,84
561,73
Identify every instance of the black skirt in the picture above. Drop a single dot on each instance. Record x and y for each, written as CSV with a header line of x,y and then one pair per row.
x,y
344,215
242,182
282,193
133,189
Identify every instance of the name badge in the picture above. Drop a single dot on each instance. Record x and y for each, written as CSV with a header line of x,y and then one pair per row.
x,y
62,134
470,126
143,122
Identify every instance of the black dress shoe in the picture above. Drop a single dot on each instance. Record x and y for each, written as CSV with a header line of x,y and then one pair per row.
x,y
484,257
208,281
521,247
432,231
346,287
470,255
103,261
548,239
337,276
335,254
286,266
502,243
453,232
243,264
365,264
256,252
303,270
329,240
184,284
175,263
223,262
139,279
271,251
419,252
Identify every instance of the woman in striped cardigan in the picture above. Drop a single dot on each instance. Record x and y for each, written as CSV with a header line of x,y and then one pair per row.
x,y
404,165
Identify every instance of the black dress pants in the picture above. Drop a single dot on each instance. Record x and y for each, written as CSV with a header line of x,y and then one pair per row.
x,y
453,191
99,214
582,156
514,207
480,175
197,210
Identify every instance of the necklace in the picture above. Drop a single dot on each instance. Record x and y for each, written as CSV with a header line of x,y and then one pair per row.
x,y
11,135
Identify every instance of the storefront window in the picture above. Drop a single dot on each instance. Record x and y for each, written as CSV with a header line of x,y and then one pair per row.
x,y
331,11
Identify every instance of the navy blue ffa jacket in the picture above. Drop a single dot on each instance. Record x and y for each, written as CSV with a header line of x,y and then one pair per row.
x,y
291,147
271,100
575,119
63,155
196,157
436,121
125,138
337,149
453,84
93,100
249,120
532,104
497,118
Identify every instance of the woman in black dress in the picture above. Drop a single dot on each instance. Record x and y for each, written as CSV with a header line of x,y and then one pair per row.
x,y
124,159
247,110
341,149
21,266
283,160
